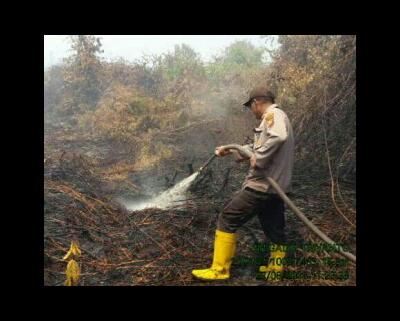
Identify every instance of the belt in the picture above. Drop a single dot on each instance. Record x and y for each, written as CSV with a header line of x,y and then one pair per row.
x,y
255,191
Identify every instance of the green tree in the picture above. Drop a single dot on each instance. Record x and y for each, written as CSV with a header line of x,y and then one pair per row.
x,y
184,73
237,61
181,62
244,54
82,74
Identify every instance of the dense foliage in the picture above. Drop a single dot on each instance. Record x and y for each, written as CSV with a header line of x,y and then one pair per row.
x,y
134,102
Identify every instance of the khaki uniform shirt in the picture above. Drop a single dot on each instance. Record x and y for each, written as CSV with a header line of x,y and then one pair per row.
x,y
274,151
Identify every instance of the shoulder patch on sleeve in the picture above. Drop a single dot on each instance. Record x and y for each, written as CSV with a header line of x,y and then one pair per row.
x,y
269,119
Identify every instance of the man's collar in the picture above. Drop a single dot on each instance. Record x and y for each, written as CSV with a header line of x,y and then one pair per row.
x,y
268,109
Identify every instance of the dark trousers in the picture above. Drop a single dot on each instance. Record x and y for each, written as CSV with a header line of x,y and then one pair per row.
x,y
269,208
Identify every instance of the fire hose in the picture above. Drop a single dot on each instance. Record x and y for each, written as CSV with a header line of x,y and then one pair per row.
x,y
247,154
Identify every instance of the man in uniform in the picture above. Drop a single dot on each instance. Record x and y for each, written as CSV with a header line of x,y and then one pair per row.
x,y
273,152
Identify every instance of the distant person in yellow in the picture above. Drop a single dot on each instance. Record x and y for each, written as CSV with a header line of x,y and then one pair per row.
x,y
273,153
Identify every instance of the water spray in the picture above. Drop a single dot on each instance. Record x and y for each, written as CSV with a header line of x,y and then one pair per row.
x,y
170,197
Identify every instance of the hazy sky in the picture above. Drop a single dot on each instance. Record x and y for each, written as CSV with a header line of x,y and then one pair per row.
x,y
57,47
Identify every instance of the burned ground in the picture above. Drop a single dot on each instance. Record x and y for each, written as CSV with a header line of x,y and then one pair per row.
x,y
161,247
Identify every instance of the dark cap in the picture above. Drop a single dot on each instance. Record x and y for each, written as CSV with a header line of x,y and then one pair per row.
x,y
259,92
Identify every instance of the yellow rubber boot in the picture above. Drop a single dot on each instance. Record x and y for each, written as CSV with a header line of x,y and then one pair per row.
x,y
224,250
273,272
